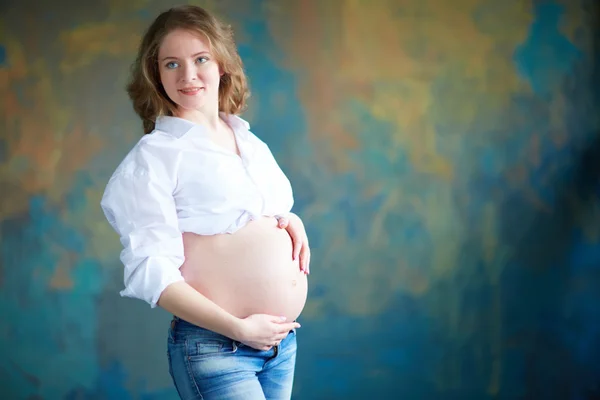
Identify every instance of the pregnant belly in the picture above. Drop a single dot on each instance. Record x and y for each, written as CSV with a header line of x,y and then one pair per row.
x,y
248,272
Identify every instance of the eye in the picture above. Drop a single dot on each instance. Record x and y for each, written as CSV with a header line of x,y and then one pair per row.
x,y
171,65
202,59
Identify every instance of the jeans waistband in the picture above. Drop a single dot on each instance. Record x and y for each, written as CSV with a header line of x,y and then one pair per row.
x,y
183,325
181,328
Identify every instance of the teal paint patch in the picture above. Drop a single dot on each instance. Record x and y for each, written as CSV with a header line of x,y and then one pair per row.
x,y
3,57
391,355
50,333
111,384
547,56
120,335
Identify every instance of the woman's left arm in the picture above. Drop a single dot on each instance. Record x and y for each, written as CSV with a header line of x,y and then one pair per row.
x,y
294,226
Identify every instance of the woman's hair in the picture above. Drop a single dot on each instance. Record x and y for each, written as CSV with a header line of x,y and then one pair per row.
x,y
145,88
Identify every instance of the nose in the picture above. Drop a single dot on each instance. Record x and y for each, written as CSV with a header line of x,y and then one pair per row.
x,y
188,73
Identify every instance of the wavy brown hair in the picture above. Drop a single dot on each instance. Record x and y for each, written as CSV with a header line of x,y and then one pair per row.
x,y
145,88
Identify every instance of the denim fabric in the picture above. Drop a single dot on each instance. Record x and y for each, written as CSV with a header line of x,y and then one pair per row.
x,y
207,365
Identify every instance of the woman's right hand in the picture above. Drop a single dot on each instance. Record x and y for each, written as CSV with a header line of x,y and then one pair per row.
x,y
262,331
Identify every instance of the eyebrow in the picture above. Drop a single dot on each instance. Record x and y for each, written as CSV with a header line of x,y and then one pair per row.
x,y
175,58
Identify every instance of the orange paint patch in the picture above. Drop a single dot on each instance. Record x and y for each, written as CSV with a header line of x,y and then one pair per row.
x,y
46,145
85,44
385,58
61,280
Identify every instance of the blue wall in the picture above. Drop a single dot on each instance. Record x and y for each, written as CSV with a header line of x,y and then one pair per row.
x,y
445,158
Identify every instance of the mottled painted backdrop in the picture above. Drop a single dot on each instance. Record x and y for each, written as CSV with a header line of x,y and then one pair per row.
x,y
445,157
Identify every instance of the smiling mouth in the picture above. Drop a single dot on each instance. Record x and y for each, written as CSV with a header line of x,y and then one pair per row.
x,y
191,91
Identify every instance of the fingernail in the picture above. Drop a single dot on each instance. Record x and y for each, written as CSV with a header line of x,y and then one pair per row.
x,y
282,318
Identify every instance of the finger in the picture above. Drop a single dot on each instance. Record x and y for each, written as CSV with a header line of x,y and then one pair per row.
x,y
297,247
277,319
285,328
283,223
304,258
281,335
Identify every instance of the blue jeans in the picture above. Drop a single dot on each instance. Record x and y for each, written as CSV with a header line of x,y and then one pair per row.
x,y
209,366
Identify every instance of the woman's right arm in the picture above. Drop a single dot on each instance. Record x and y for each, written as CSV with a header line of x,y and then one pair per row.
x,y
138,203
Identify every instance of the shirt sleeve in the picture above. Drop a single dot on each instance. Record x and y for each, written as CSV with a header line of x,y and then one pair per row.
x,y
138,203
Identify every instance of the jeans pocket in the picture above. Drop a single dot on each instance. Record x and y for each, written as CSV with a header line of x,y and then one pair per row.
x,y
198,349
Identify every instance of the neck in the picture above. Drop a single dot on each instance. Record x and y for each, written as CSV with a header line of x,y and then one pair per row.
x,y
210,120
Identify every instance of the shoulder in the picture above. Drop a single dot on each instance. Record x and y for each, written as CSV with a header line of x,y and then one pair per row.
x,y
154,151
159,144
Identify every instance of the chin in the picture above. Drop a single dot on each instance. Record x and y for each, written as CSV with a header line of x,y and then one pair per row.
x,y
191,105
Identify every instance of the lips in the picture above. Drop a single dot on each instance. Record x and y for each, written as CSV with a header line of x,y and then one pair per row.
x,y
190,91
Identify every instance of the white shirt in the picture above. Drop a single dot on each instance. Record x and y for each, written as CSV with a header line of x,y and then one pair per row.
x,y
175,180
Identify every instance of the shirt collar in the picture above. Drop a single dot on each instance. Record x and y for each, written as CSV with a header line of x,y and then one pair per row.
x,y
178,127
236,122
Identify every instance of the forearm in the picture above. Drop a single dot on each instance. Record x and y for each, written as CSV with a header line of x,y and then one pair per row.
x,y
183,301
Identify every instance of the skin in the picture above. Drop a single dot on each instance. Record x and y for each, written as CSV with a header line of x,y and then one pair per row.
x,y
293,224
190,76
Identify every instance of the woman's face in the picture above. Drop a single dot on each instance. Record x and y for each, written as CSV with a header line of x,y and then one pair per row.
x,y
188,72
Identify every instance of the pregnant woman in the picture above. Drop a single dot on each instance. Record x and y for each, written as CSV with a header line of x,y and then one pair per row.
x,y
204,215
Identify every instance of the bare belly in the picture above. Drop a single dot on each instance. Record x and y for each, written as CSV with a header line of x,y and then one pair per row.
x,y
248,272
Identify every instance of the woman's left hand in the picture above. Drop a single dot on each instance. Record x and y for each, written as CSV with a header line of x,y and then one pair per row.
x,y
294,226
